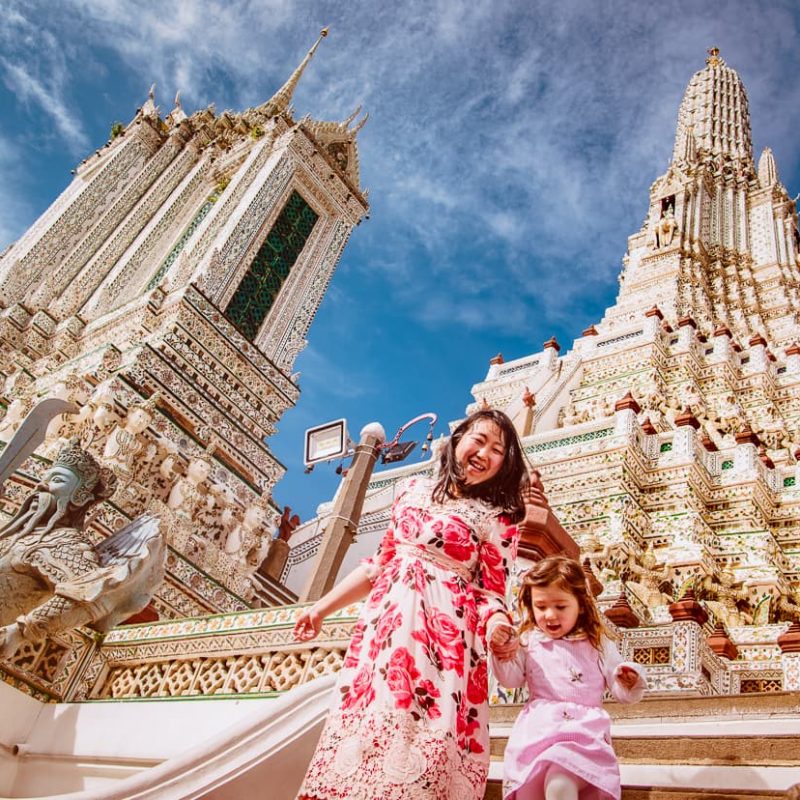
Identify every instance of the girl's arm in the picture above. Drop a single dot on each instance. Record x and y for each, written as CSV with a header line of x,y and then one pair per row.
x,y
625,680
510,672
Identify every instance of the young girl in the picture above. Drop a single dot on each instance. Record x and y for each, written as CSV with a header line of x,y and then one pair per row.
x,y
411,714
560,745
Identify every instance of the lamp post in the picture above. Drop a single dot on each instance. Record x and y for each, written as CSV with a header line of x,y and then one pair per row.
x,y
344,519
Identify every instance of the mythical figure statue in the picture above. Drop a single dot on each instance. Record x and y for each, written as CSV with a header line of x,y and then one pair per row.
x,y
730,597
72,389
52,578
190,493
250,537
14,415
787,609
604,557
648,587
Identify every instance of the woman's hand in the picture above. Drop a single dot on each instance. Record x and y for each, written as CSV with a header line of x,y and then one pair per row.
x,y
308,625
627,677
503,641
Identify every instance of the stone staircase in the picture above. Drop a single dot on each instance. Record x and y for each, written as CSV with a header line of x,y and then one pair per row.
x,y
709,748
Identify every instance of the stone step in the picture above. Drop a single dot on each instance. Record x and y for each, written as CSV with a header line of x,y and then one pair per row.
x,y
725,748
494,791
742,706
635,747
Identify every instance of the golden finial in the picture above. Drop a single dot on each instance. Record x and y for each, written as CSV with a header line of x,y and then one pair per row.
x,y
324,31
713,59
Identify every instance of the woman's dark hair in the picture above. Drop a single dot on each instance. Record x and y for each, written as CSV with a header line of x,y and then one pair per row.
x,y
504,490
568,575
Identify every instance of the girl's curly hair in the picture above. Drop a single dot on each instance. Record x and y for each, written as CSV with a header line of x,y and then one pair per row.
x,y
568,575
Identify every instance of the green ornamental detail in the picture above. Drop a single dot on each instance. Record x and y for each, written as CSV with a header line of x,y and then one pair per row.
x,y
181,243
727,464
789,481
569,440
255,295
666,447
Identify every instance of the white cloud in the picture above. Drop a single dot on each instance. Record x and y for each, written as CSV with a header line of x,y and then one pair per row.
x,y
13,215
510,143
28,87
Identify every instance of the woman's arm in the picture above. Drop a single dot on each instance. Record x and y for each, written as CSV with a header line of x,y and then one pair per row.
x,y
353,588
497,551
356,586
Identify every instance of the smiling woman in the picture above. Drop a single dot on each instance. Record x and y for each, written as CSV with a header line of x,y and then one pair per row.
x,y
413,714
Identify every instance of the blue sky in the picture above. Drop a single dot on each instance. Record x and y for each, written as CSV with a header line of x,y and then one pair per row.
x,y
508,154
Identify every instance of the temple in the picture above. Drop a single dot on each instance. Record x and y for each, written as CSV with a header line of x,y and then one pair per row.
x,y
166,294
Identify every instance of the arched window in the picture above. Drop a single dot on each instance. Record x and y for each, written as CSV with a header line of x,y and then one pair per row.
x,y
262,282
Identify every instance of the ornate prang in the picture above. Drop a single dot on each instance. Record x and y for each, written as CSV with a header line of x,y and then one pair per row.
x,y
125,281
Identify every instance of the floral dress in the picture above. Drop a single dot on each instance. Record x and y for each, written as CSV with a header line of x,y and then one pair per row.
x,y
564,724
411,718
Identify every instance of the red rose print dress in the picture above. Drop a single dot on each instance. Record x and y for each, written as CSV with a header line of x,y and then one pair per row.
x,y
411,720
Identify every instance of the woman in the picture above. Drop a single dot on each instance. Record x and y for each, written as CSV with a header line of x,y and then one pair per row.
x,y
411,720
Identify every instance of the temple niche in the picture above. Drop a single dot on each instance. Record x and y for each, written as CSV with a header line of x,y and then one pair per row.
x,y
165,295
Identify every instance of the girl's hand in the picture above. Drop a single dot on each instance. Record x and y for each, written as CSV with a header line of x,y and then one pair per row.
x,y
628,677
308,625
503,641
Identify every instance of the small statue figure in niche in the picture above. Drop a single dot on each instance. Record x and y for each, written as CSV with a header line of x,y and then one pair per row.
x,y
15,413
52,578
787,609
126,443
21,403
664,228
250,536
62,427
190,493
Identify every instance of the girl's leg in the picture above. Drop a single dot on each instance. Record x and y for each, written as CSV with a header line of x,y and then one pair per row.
x,y
560,785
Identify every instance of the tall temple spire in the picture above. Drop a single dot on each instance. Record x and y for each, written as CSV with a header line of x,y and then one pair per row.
x,y
279,102
715,107
767,169
720,243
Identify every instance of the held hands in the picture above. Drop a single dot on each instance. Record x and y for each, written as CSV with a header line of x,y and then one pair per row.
x,y
503,641
308,625
627,677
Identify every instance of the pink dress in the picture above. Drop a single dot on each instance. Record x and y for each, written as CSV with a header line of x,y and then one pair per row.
x,y
563,723
411,719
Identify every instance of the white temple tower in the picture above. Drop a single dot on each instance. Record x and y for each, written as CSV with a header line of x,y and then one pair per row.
x,y
720,242
184,263
668,437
